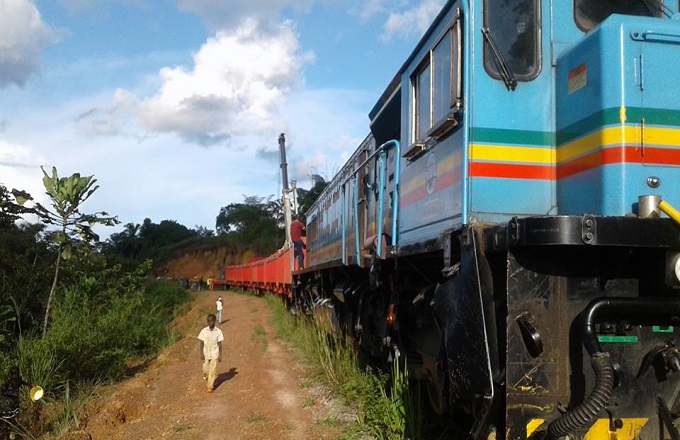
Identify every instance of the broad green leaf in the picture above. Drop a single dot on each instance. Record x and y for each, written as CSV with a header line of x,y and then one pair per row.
x,y
66,253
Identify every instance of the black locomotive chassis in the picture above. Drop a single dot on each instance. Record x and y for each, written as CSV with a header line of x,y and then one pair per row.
x,y
533,278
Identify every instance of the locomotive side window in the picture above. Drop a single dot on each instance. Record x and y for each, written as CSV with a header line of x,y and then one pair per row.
x,y
589,13
423,93
437,89
512,39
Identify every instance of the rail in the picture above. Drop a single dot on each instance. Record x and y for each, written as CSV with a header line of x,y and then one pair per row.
x,y
382,150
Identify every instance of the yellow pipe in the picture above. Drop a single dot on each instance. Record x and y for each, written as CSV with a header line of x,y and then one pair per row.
x,y
669,210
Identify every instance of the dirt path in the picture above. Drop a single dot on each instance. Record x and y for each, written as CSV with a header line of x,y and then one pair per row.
x,y
261,390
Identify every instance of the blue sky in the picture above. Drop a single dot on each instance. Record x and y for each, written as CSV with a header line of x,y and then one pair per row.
x,y
175,106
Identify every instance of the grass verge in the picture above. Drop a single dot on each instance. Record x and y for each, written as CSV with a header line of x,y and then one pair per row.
x,y
386,404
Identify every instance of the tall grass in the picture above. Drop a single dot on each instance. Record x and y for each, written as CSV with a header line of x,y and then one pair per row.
x,y
92,339
39,365
387,404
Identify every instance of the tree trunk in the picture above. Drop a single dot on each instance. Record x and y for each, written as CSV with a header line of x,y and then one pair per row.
x,y
52,290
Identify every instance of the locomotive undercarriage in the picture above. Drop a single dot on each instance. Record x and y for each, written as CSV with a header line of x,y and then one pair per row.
x,y
567,323
540,328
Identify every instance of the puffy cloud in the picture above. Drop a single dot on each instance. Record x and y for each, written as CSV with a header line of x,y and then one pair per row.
x,y
415,20
238,79
22,36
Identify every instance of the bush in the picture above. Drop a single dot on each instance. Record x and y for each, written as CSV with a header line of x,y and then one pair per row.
x,y
97,339
38,363
166,295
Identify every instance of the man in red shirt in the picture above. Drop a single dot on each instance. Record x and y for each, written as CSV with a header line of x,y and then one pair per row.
x,y
296,229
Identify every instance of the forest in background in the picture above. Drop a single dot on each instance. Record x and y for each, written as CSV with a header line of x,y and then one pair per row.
x,y
76,311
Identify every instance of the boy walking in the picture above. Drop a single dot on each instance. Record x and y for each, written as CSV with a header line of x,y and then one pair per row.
x,y
210,346
219,306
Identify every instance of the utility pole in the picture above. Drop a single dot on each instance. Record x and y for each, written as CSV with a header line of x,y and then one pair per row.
x,y
286,189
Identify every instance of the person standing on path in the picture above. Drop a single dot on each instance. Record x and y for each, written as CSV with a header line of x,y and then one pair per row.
x,y
296,229
210,346
219,306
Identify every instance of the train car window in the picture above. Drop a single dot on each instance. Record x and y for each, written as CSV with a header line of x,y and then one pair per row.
x,y
437,89
513,27
590,13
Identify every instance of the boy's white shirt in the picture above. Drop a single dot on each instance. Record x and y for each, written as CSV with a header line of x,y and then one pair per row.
x,y
210,339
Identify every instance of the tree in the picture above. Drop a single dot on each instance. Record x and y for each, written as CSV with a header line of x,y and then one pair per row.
x,y
165,233
67,194
306,198
127,243
256,223
26,269
10,212
202,231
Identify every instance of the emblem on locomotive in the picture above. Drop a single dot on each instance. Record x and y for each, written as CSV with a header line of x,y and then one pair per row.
x,y
431,172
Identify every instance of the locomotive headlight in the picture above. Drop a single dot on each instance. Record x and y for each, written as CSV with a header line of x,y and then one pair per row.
x,y
673,269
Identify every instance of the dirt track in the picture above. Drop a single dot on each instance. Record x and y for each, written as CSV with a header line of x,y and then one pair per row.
x,y
262,392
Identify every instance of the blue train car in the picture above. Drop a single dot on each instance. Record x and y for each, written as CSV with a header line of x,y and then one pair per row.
x,y
505,225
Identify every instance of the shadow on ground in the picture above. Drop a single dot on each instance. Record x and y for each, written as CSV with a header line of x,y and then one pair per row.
x,y
223,377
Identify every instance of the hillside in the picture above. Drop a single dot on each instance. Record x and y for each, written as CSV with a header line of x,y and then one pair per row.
x,y
201,262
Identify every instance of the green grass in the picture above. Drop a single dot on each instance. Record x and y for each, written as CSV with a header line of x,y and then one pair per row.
x,y
70,364
308,402
387,405
259,338
182,427
330,422
256,419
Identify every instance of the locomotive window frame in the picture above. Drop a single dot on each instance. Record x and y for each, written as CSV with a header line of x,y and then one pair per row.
x,y
597,16
434,114
422,102
493,21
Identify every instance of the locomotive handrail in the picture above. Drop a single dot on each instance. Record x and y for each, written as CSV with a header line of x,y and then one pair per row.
x,y
344,232
356,221
467,65
656,37
382,149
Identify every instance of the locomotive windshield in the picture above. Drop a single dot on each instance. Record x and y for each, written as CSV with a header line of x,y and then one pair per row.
x,y
514,28
589,13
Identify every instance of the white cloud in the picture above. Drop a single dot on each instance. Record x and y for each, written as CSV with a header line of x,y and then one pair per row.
x,y
22,36
113,120
20,169
367,9
413,21
238,79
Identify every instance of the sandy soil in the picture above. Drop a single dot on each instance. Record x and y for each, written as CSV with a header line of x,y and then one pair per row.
x,y
262,391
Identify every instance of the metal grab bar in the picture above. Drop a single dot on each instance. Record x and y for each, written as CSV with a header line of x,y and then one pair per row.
x,y
382,150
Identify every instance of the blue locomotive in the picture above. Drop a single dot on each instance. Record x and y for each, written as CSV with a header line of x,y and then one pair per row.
x,y
503,227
